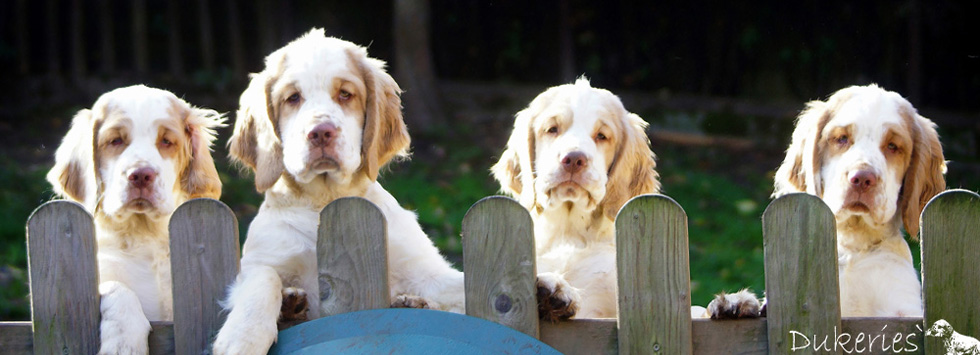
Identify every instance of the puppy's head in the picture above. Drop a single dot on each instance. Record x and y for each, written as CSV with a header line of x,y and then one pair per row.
x,y
137,150
321,107
868,155
576,146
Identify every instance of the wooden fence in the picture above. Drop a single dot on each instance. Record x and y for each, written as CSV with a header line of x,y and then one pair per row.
x,y
654,279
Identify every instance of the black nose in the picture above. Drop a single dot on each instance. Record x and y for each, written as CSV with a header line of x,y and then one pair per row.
x,y
142,177
863,180
574,162
322,135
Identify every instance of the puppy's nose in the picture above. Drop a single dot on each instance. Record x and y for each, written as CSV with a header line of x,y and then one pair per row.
x,y
322,135
863,180
574,162
142,177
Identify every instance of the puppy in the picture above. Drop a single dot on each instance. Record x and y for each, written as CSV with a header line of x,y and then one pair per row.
x,y
316,125
574,158
131,159
875,162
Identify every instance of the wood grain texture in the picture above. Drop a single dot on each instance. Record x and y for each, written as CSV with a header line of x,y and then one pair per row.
x,y
654,277
498,253
352,254
800,246
64,279
204,255
950,272
599,336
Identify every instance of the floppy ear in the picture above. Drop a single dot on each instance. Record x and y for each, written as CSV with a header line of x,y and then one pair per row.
x,y
924,176
800,171
255,142
73,175
632,171
385,135
200,178
515,169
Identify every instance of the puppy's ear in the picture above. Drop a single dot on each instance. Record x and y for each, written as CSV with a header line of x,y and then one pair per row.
x,y
633,169
255,141
200,178
515,169
800,171
385,135
924,176
73,175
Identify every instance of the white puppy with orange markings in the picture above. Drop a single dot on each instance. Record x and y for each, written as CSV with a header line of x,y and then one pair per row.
x,y
875,162
131,160
316,125
574,158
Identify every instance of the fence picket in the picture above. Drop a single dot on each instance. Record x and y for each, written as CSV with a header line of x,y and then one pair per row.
x,y
950,274
204,255
652,259
352,257
64,279
498,254
800,246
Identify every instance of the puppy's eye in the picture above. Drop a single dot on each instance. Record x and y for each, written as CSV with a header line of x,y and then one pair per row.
x,y
116,142
892,147
166,142
600,137
843,140
344,95
552,130
292,99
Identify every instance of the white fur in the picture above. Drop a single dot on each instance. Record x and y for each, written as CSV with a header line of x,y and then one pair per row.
x,y
281,247
574,237
131,226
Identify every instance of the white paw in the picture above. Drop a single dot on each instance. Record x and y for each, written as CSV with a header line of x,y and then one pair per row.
x,y
557,300
244,337
742,304
124,328
295,308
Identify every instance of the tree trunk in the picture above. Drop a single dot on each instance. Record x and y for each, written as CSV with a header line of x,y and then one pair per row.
x,y
414,66
54,57
23,48
108,40
235,37
78,67
566,47
207,35
174,47
141,50
267,32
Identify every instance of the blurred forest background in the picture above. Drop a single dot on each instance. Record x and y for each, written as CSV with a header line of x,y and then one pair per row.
x,y
720,83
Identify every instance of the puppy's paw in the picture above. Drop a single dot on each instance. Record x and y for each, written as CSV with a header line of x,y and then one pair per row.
x,y
742,304
250,338
295,308
409,301
557,300
123,342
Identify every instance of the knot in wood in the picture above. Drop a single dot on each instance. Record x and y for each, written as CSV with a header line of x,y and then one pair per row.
x,y
502,304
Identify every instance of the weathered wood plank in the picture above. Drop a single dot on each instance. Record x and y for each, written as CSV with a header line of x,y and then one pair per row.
x,y
64,279
204,255
581,336
353,261
16,338
498,254
950,272
598,336
654,277
800,246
